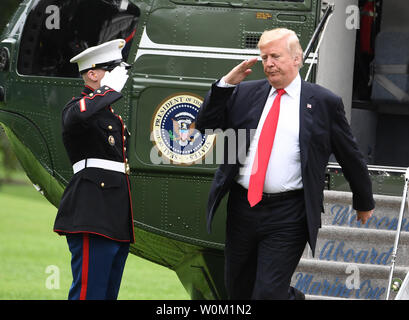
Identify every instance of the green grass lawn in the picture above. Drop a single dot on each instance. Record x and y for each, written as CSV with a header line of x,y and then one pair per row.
x,y
28,246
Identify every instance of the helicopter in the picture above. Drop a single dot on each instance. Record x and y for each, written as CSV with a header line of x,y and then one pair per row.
x,y
177,49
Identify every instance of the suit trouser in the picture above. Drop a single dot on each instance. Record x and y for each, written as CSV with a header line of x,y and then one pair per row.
x,y
97,265
264,245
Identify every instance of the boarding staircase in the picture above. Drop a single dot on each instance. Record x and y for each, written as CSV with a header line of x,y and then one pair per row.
x,y
353,261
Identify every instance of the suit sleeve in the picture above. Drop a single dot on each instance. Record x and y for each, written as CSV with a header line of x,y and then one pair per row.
x,y
351,160
213,113
78,111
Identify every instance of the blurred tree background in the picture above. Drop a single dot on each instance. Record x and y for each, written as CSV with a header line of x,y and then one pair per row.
x,y
8,161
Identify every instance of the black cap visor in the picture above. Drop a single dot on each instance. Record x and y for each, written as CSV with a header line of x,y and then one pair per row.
x,y
108,66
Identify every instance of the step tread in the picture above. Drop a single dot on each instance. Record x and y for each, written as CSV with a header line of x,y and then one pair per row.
x,y
339,267
361,233
318,297
348,195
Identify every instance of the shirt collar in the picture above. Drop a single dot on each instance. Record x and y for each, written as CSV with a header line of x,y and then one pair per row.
x,y
293,89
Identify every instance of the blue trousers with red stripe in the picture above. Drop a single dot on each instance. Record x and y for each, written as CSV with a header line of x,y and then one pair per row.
x,y
97,265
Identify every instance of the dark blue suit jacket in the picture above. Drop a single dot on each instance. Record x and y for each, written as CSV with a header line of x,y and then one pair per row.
x,y
323,130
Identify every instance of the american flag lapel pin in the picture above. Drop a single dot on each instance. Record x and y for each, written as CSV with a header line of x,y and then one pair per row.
x,y
309,106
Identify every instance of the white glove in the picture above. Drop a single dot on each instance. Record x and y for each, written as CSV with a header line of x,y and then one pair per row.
x,y
115,79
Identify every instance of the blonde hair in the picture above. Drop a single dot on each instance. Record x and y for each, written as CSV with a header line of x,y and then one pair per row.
x,y
293,43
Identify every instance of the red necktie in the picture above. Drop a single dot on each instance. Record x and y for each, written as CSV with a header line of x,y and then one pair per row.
x,y
263,152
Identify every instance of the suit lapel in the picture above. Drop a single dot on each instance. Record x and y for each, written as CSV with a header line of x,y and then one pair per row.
x,y
306,120
257,106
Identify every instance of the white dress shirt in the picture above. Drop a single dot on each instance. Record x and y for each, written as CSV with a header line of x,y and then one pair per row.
x,y
284,167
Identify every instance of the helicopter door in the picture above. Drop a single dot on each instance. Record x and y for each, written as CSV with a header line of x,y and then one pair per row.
x,y
380,113
54,32
57,30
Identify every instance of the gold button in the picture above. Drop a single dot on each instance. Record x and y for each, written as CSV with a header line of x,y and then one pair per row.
x,y
91,94
126,160
124,148
124,138
111,140
102,184
106,88
110,127
99,91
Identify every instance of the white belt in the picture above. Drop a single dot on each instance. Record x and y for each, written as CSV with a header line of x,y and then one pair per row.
x,y
99,163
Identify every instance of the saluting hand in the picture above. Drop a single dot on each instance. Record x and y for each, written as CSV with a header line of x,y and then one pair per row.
x,y
240,72
115,79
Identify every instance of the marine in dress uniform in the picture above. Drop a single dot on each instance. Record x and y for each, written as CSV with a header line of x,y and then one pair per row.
x,y
95,212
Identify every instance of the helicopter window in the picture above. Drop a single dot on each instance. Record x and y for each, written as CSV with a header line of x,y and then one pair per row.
x,y
57,30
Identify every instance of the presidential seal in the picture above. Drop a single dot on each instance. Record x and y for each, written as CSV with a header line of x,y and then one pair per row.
x,y
174,133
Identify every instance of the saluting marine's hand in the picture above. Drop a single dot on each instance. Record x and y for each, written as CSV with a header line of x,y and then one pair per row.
x,y
115,79
240,72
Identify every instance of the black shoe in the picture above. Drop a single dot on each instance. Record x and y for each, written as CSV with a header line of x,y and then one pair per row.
x,y
299,295
296,294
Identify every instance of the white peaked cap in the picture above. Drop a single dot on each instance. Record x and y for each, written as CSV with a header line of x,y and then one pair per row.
x,y
103,53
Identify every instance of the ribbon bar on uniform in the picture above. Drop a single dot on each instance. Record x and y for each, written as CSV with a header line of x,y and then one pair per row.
x,y
99,163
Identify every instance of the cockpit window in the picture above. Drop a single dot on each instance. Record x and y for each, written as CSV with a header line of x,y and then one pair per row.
x,y
57,30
